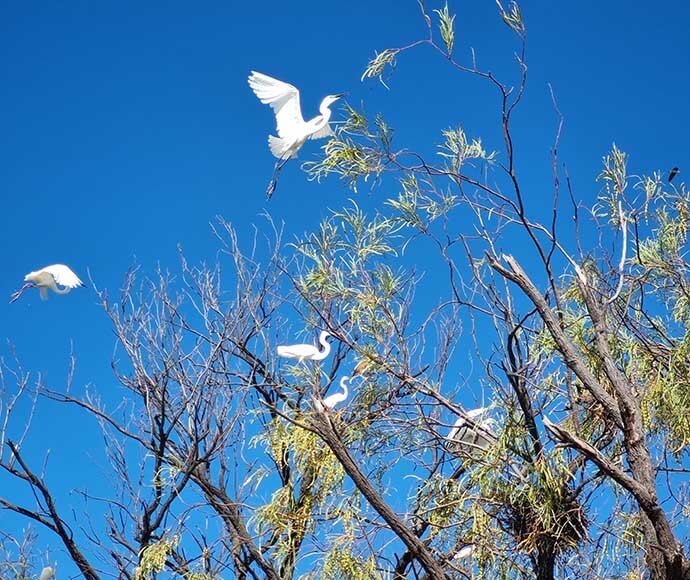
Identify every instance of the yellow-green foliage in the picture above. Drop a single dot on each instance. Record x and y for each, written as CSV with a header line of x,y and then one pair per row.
x,y
662,251
440,499
419,204
152,558
316,465
445,25
345,158
378,64
512,17
615,178
540,509
457,149
342,564
354,151
307,450
345,261
666,401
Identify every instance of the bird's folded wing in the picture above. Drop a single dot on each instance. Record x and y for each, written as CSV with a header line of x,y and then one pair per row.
x,y
64,276
284,100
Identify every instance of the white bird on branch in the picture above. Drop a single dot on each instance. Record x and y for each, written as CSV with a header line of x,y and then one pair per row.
x,y
50,278
332,400
465,552
48,573
468,431
292,129
304,352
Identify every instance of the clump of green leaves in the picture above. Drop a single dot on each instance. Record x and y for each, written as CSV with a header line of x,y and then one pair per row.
x,y
442,498
419,203
355,152
543,510
307,451
614,175
446,26
152,558
512,17
457,149
290,514
378,64
666,401
341,562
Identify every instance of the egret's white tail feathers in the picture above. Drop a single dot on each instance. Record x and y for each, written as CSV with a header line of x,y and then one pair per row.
x,y
44,293
280,148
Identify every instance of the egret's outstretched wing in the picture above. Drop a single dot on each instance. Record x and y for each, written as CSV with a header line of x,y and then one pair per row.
x,y
283,98
63,276
326,131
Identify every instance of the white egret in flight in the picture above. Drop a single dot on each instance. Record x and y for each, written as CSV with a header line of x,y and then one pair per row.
x,y
50,278
47,573
469,431
292,129
332,400
304,352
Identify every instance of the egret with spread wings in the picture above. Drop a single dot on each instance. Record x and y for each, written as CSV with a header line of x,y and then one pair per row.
x,y
292,129
58,278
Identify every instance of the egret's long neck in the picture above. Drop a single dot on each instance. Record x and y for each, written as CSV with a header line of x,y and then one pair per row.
x,y
325,111
63,290
325,345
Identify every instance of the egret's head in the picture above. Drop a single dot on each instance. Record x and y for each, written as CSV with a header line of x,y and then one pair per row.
x,y
31,277
330,99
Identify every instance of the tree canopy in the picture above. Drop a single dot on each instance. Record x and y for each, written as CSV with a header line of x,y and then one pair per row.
x,y
568,323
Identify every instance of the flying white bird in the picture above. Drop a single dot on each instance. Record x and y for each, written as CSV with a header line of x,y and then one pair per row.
x,y
47,573
292,129
332,400
304,352
468,431
50,278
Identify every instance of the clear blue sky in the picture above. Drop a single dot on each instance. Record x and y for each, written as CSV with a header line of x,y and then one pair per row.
x,y
127,126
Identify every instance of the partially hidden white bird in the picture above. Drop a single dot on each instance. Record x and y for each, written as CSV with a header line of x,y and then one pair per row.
x,y
58,278
332,400
471,432
48,573
465,552
304,352
292,129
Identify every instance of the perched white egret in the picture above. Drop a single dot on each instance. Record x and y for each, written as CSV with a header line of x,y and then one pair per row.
x,y
50,278
304,352
48,573
332,400
470,431
292,129
465,552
